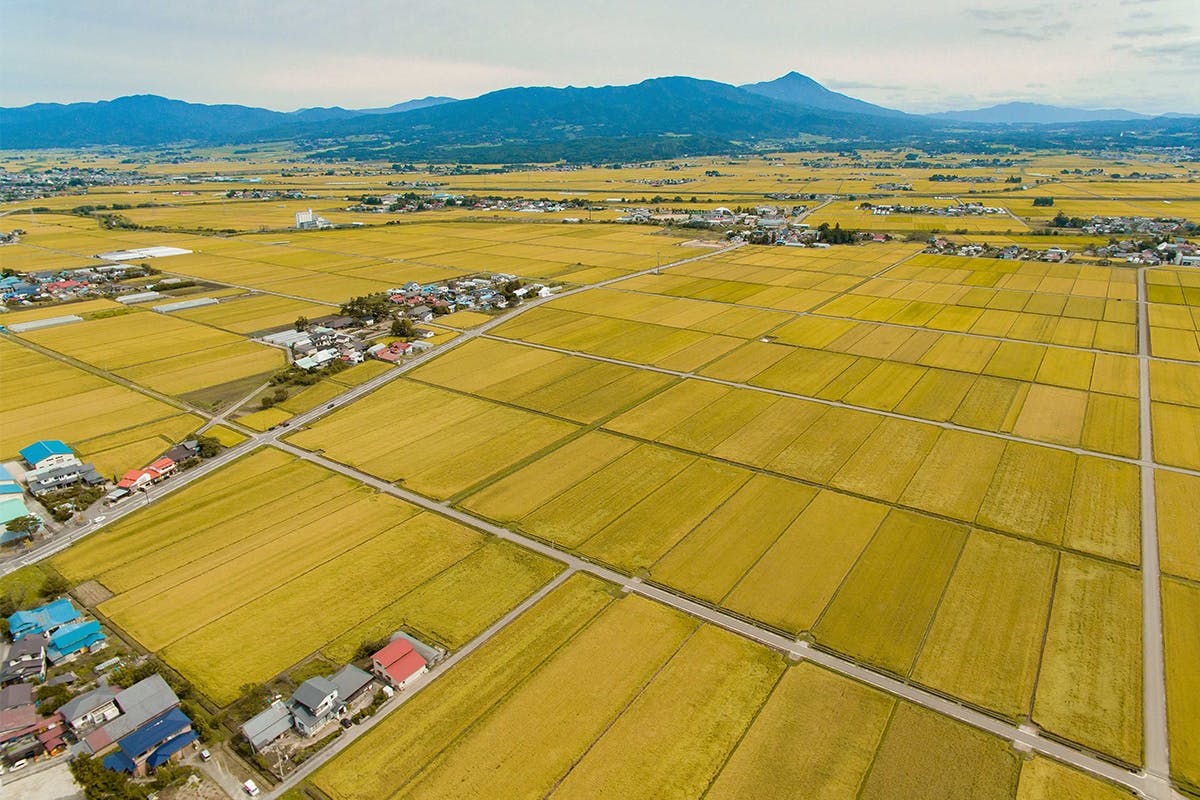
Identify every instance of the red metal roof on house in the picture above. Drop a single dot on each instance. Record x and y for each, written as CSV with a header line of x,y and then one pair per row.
x,y
162,464
393,652
406,666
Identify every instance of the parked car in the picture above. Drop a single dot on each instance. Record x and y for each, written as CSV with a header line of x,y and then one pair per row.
x,y
205,755
251,788
346,723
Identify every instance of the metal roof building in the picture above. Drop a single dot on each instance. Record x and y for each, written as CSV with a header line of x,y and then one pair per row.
x,y
262,729
195,302
45,452
48,322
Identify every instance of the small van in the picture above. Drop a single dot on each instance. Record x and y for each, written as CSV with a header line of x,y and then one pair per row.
x,y
251,788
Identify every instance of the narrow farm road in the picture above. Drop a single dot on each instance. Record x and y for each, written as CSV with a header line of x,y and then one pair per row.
x,y
1154,679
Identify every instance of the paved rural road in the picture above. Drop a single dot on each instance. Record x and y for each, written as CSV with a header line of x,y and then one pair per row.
x,y
1154,679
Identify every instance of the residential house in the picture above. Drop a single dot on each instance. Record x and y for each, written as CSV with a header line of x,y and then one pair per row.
x,y
73,639
43,619
264,728
19,722
153,744
47,453
52,479
314,704
399,663
146,700
183,451
91,709
350,682
26,660
421,313
11,507
390,353
136,479
16,695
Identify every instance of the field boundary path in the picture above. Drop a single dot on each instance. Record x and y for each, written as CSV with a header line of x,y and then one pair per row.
x,y
1154,676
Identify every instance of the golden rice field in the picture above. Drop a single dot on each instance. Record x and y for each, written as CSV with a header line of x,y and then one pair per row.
x,y
219,578
429,439
625,698
159,351
332,266
1181,609
847,214
623,498
926,464
43,398
246,314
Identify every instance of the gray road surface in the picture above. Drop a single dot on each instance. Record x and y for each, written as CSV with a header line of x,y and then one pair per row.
x,y
1154,680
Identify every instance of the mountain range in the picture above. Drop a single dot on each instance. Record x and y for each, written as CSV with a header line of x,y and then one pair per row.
x,y
1036,113
660,117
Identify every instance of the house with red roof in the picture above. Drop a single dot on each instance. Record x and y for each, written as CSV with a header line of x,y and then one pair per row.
x,y
136,479
399,663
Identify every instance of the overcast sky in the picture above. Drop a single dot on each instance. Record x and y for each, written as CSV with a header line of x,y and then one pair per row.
x,y
925,56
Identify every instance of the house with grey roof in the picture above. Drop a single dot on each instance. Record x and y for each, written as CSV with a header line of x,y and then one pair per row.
x,y
350,682
314,704
26,660
91,708
264,728
146,700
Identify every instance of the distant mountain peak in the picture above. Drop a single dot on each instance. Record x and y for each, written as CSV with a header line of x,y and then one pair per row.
x,y
799,89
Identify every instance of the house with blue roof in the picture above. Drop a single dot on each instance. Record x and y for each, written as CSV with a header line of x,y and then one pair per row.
x,y
74,638
153,744
43,619
47,453
9,487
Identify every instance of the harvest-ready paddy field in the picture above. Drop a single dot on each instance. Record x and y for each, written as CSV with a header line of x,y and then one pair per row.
x,y
621,697
219,578
931,466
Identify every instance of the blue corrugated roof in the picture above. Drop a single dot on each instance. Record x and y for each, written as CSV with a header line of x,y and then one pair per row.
x,y
119,762
10,487
154,733
163,754
41,619
44,449
70,638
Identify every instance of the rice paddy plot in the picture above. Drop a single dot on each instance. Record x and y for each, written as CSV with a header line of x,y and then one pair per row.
x,y
436,441
178,572
1089,687
985,639
44,398
1181,609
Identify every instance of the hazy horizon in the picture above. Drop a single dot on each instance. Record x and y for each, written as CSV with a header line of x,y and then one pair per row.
x,y
1139,55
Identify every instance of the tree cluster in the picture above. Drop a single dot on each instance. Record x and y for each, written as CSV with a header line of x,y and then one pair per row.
x,y
368,306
